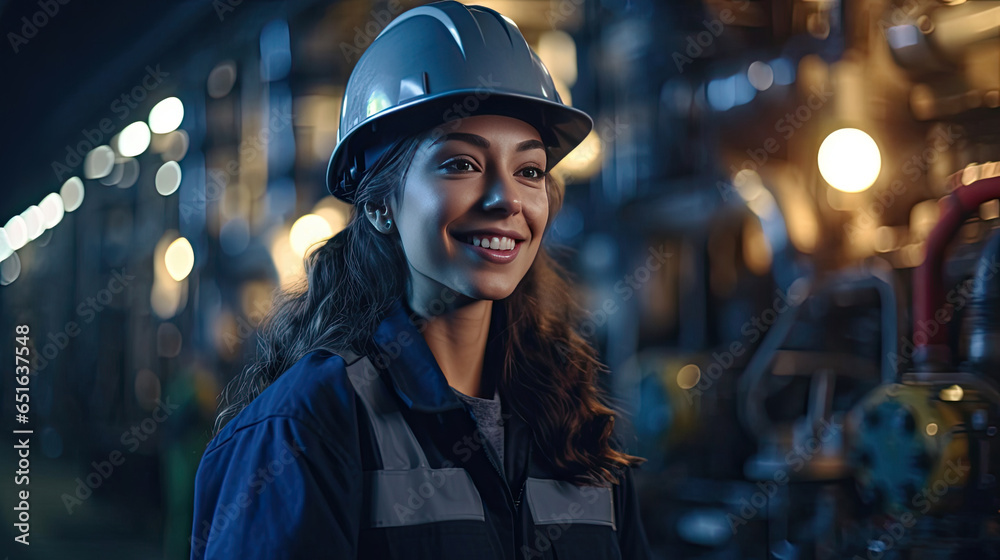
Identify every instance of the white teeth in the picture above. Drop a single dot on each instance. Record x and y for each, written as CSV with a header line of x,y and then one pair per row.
x,y
495,243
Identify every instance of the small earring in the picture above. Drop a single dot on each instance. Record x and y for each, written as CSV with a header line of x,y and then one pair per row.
x,y
387,227
388,220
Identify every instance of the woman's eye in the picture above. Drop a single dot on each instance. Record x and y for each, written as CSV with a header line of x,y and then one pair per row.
x,y
538,173
459,165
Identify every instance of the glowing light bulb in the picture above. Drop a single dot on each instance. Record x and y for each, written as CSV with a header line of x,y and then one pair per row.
x,y
849,160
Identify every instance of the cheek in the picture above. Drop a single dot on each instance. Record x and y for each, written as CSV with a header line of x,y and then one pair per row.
x,y
425,215
537,214
420,207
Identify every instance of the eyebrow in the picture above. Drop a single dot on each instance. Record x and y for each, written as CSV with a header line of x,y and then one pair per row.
x,y
483,143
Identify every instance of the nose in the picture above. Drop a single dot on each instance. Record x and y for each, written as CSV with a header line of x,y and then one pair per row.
x,y
502,195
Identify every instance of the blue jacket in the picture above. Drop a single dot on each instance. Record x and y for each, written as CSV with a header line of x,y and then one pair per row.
x,y
296,473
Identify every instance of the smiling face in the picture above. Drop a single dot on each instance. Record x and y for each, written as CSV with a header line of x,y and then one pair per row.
x,y
469,187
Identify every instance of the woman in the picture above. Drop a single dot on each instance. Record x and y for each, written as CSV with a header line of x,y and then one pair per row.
x,y
427,394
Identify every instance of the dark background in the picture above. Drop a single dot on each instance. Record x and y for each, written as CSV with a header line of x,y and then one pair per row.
x,y
722,381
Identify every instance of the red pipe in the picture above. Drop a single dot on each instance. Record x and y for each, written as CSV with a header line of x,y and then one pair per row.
x,y
928,293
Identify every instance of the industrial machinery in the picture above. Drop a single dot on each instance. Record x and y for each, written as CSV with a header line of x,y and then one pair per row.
x,y
826,164
924,449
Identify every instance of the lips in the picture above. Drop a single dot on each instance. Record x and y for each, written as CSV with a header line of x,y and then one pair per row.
x,y
498,249
501,243
491,233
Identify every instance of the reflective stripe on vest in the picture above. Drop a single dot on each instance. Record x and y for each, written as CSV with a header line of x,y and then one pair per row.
x,y
406,491
559,502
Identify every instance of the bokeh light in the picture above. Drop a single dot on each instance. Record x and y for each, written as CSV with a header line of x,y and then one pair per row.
x,y
761,75
34,221
166,115
72,194
5,248
688,376
52,210
134,139
168,178
99,162
179,259
10,269
306,231
17,232
849,160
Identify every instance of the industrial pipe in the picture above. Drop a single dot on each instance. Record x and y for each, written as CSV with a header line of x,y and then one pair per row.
x,y
928,294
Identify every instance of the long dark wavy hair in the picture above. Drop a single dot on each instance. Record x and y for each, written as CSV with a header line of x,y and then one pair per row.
x,y
550,370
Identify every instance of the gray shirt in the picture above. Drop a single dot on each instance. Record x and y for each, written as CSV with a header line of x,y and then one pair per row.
x,y
489,419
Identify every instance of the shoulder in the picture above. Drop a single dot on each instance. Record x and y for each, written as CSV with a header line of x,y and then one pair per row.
x,y
301,431
313,393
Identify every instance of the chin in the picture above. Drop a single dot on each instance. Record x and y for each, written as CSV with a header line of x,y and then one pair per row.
x,y
489,291
492,295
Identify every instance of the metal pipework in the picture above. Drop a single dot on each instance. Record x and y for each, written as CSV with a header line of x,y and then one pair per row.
x,y
929,311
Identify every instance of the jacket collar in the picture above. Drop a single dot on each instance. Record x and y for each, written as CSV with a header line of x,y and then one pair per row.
x,y
413,369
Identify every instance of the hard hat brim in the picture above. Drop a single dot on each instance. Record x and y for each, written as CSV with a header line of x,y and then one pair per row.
x,y
561,127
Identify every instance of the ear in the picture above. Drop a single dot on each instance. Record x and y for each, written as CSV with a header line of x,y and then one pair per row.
x,y
380,217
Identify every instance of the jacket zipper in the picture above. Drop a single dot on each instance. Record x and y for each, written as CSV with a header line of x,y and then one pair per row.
x,y
489,455
515,527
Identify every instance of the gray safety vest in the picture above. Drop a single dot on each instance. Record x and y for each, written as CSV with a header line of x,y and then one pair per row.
x,y
407,491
